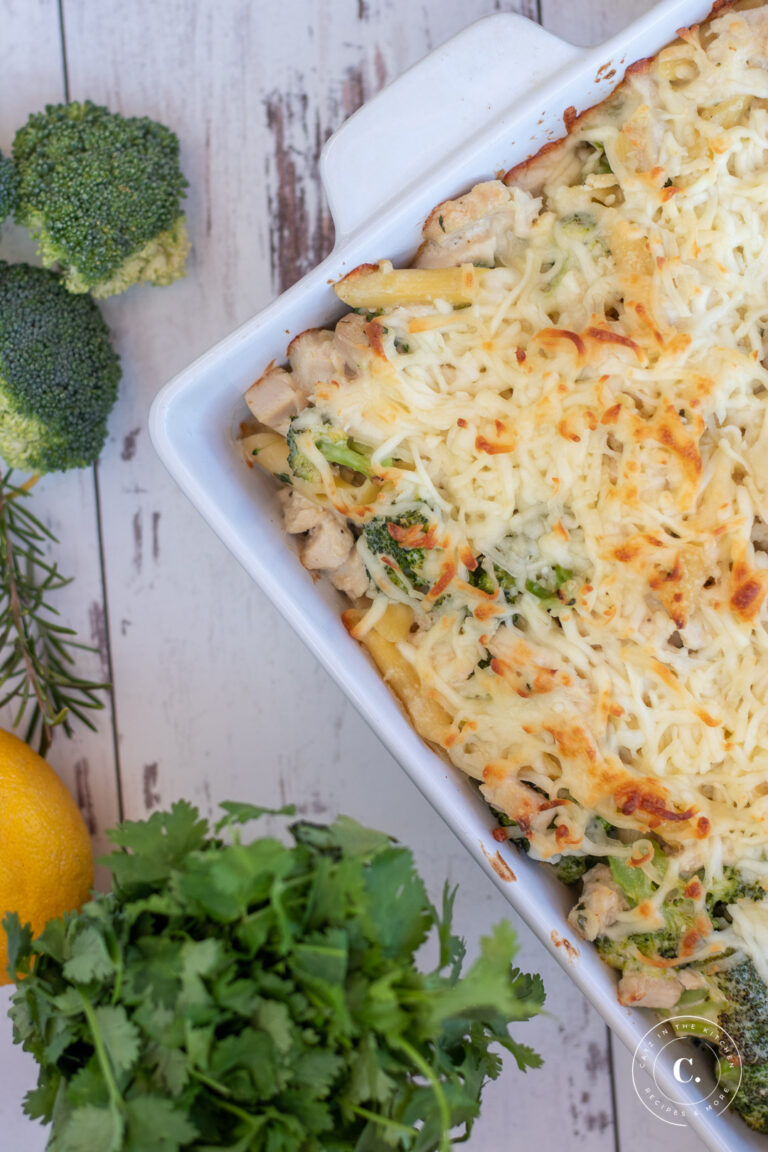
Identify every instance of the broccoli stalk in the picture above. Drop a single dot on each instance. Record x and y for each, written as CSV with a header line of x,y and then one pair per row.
x,y
332,442
102,195
549,586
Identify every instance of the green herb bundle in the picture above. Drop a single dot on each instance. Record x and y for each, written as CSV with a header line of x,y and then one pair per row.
x,y
261,998
37,654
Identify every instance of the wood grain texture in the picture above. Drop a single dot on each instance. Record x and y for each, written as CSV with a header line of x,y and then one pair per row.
x,y
33,75
587,22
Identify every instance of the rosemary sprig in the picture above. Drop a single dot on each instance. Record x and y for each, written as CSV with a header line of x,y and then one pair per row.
x,y
37,662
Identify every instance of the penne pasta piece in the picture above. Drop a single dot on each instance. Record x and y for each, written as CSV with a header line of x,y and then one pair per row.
x,y
381,286
267,449
429,718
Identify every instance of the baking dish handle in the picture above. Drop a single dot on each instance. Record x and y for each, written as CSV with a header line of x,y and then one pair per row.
x,y
432,109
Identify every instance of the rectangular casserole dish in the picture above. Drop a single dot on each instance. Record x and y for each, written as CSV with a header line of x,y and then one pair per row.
x,y
451,131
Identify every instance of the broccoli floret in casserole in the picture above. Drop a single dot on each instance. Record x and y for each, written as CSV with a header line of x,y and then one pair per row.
x,y
737,1000
9,187
727,991
402,541
738,1003
570,869
331,441
745,1014
730,888
58,373
102,195
483,579
751,1095
555,584
625,954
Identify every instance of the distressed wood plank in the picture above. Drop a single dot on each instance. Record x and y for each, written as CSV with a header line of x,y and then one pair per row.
x,y
634,1118
589,21
217,698
33,75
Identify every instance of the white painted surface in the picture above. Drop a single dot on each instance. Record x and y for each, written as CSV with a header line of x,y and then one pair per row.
x,y
215,697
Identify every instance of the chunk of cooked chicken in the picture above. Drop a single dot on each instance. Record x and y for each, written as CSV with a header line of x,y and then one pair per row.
x,y
481,227
351,576
637,990
274,399
309,355
328,544
691,978
600,904
350,343
299,513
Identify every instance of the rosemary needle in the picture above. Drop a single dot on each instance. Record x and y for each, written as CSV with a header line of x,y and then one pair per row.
x,y
37,654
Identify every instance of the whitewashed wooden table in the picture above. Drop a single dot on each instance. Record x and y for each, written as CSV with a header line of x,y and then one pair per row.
x,y
213,696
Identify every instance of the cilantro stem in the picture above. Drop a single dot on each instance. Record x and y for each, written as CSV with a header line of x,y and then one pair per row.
x,y
252,1121
445,1112
207,1080
115,1098
385,1121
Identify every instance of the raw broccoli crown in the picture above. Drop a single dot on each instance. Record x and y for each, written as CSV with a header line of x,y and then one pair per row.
x,y
408,559
751,1099
332,441
97,189
9,187
58,373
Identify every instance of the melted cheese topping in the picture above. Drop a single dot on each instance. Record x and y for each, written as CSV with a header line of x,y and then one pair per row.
x,y
594,426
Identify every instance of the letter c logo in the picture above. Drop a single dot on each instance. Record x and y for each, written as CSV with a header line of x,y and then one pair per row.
x,y
677,1073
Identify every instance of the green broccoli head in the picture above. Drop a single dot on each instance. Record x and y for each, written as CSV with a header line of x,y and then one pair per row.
x,y
330,440
9,187
751,1096
102,195
745,1015
623,953
400,540
731,886
58,373
481,578
570,869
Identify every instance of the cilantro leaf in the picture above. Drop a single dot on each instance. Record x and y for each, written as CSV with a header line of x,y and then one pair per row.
x,y
19,944
89,1129
157,1125
86,954
121,1038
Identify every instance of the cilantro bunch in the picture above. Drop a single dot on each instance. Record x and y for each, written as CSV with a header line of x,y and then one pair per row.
x,y
261,997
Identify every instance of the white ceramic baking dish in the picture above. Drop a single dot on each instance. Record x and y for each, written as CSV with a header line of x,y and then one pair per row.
x,y
484,101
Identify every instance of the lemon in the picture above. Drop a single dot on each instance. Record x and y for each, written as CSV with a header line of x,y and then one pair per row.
x,y
46,864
